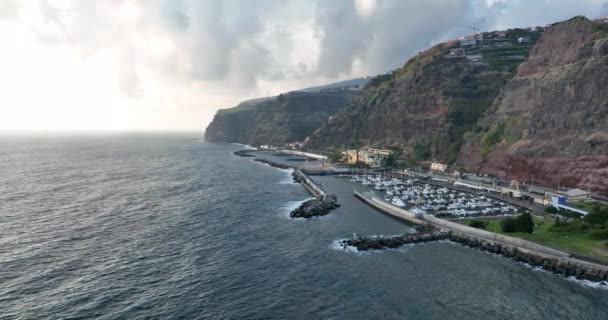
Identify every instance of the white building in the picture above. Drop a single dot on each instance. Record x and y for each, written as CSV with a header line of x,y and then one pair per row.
x,y
436,166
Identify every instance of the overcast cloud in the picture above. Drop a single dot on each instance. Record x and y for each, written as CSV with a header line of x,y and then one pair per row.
x,y
170,64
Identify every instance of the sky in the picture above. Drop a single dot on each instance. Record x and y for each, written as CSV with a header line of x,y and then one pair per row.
x,y
131,65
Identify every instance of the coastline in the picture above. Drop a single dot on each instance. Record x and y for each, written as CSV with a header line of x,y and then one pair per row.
x,y
534,254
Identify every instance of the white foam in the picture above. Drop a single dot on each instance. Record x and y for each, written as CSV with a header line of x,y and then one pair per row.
x,y
246,146
337,245
288,207
289,178
603,285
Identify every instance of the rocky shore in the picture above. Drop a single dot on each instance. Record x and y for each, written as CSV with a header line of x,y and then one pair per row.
x,y
565,267
315,207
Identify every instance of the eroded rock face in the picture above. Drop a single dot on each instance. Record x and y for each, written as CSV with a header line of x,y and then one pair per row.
x,y
553,113
277,120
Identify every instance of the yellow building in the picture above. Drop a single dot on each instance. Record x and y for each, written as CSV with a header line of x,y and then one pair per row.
x,y
371,156
352,156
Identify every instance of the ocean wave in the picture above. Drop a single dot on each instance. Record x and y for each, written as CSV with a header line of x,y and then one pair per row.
x,y
289,178
337,245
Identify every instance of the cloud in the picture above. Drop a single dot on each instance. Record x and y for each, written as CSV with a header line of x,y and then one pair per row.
x,y
204,54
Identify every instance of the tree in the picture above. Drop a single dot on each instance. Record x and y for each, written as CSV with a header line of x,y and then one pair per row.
x,y
390,160
525,223
598,216
336,157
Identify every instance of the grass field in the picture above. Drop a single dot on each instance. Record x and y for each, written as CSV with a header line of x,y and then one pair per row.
x,y
576,242
587,205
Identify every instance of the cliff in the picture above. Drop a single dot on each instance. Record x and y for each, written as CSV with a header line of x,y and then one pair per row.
x,y
287,118
550,123
528,104
425,107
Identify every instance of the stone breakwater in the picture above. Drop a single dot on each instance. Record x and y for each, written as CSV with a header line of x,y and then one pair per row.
x,y
315,207
561,266
244,153
273,164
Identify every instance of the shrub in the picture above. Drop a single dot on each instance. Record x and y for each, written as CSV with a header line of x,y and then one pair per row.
x,y
478,224
601,234
551,210
597,216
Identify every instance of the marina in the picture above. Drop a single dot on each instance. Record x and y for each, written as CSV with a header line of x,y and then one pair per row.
x,y
440,201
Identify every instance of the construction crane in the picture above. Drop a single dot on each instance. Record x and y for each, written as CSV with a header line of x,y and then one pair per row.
x,y
474,28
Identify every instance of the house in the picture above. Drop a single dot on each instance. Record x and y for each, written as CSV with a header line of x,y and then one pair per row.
x,y
374,157
436,166
294,145
524,40
456,53
577,194
467,41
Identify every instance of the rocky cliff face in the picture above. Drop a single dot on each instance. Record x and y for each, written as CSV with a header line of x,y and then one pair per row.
x,y
426,107
550,123
533,109
287,118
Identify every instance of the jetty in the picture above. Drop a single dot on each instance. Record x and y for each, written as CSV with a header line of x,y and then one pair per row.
x,y
550,259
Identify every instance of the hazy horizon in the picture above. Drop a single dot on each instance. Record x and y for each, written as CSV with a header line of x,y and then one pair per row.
x,y
149,66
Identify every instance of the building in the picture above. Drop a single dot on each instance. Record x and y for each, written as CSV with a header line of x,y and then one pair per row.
x,y
294,145
436,166
524,40
374,157
456,53
560,202
352,156
577,194
467,41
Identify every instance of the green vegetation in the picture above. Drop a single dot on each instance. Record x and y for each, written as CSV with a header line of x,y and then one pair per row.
x,y
551,210
422,151
491,138
523,223
478,224
336,157
585,236
391,160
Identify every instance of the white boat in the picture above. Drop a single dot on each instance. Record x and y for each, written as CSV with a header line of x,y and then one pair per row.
x,y
398,202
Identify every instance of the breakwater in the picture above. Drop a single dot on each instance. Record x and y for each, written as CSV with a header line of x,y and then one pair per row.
x,y
244,153
562,266
534,254
273,164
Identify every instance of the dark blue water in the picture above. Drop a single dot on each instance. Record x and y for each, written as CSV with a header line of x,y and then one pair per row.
x,y
169,227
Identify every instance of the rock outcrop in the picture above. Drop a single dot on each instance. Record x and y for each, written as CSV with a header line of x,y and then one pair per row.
x,y
315,207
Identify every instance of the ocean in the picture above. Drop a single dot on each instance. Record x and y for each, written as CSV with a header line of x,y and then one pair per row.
x,y
166,226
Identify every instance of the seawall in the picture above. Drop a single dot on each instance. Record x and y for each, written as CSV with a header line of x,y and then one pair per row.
x,y
312,187
522,250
